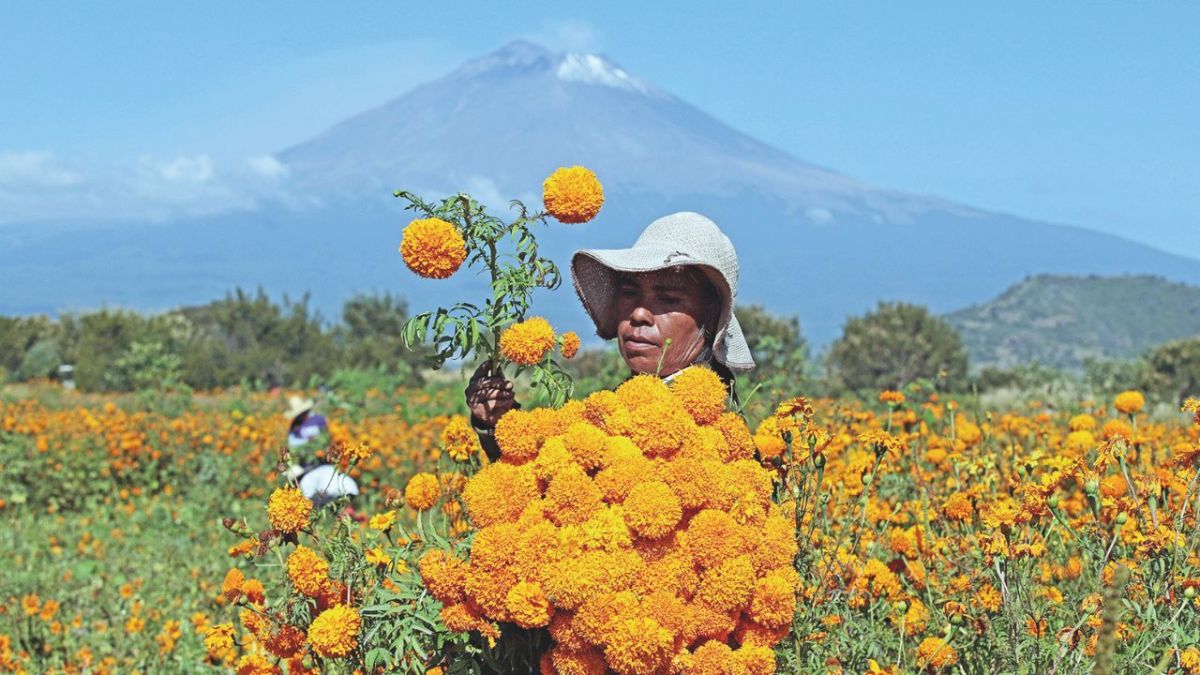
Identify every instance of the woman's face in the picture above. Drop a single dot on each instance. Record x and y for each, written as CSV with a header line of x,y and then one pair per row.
x,y
660,320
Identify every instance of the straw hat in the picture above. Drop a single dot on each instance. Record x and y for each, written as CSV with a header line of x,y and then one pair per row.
x,y
297,405
683,238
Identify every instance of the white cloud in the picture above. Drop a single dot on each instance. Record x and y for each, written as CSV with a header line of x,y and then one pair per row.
x,y
567,35
39,186
268,166
36,170
819,216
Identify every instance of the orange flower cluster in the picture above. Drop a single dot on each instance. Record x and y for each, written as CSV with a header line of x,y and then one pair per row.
x,y
636,525
527,343
433,248
572,194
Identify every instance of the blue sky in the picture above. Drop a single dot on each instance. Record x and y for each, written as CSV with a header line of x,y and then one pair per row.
x,y
1080,113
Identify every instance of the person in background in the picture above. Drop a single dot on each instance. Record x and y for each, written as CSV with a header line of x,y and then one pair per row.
x,y
668,301
308,432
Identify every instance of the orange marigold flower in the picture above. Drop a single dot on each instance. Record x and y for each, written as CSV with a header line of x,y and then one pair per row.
x,y
652,510
727,586
527,343
572,497
755,660
443,575
499,493
881,442
433,248
462,617
1190,660
231,588
638,645
570,344
569,662
701,392
308,571
288,509
218,639
1114,429
334,633
642,390
958,507
572,194
422,491
1129,401
774,601
935,654
891,397
713,658
459,439
768,439
527,605
254,591
660,428
1082,423
713,537
285,641
587,444
605,411
256,664
740,444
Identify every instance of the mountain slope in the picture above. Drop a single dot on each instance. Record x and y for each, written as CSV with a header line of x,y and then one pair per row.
x,y
811,241
1061,321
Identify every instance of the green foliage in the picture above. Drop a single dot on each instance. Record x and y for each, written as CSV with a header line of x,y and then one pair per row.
x,y
40,361
467,329
17,336
894,345
1064,321
1108,377
369,338
144,365
249,338
1173,370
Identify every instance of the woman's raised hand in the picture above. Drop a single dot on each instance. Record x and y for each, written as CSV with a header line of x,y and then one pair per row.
x,y
489,396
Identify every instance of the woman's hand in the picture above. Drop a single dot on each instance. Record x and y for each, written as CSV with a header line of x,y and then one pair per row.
x,y
489,396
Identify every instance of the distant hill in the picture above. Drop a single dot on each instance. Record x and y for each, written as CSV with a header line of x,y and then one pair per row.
x,y
812,241
1063,320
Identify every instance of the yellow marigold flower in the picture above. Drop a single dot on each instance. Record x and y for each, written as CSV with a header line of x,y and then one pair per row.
x,y
377,556
1080,441
459,439
443,575
218,639
422,491
1129,401
881,442
1190,660
288,510
1082,423
638,645
433,248
572,194
935,654
382,521
527,343
701,392
728,585
528,606
774,601
308,571
570,344
231,588
652,510
256,664
499,493
334,633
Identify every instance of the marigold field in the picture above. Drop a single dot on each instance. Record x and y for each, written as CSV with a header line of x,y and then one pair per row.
x,y
639,530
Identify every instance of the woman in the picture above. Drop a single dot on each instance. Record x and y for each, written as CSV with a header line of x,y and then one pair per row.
x,y
668,301
308,432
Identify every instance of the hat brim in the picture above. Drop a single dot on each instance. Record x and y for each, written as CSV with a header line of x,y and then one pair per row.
x,y
301,407
595,275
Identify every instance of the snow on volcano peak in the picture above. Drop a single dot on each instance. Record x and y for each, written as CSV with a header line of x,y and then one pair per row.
x,y
594,69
